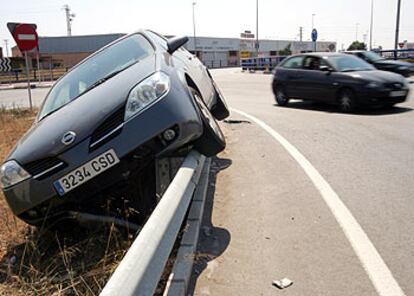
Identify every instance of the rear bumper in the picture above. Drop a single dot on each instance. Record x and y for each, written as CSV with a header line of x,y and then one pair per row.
x,y
139,138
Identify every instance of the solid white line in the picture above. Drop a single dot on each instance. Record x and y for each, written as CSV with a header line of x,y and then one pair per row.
x,y
379,273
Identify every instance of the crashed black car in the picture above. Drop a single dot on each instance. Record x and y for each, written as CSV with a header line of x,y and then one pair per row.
x,y
406,69
140,97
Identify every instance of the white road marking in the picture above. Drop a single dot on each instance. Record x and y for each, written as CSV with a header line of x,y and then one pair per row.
x,y
379,273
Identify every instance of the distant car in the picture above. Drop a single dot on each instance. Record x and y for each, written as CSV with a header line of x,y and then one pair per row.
x,y
337,78
140,97
404,68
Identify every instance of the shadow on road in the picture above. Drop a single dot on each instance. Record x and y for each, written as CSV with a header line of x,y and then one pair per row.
x,y
317,106
213,240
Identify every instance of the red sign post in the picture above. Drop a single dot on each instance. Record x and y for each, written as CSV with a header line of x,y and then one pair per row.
x,y
26,39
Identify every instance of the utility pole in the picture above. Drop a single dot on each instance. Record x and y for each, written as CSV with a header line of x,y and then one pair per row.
x,y
194,29
397,29
6,41
356,31
69,19
371,25
300,34
257,28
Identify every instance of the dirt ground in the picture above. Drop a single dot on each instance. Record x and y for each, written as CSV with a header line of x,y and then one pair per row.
x,y
42,262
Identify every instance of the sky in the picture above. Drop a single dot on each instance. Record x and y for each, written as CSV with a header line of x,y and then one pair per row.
x,y
336,20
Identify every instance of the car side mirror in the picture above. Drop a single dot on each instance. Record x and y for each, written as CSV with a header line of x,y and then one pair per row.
x,y
325,68
175,43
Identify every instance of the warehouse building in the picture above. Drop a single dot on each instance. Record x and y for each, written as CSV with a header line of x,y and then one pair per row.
x,y
67,51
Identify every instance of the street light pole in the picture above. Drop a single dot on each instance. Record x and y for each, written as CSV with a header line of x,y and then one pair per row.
x,y
257,28
356,31
371,25
194,30
313,24
397,29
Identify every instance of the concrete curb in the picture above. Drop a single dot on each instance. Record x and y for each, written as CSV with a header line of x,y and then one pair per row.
x,y
181,273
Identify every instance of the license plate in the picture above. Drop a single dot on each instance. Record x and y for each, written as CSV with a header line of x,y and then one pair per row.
x,y
398,93
86,172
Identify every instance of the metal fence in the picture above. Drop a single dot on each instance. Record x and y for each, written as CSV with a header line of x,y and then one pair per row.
x,y
19,75
400,54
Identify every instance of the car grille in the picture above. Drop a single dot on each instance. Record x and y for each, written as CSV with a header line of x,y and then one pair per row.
x,y
108,129
394,85
43,168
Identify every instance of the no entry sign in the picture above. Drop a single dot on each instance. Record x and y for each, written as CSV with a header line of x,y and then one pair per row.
x,y
25,35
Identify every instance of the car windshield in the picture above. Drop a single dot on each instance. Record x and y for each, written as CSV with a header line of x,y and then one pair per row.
x,y
347,63
373,56
95,71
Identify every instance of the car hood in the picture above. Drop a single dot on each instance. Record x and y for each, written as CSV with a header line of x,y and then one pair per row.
x,y
81,116
392,63
377,76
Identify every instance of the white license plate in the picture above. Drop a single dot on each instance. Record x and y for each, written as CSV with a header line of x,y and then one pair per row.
x,y
398,93
86,172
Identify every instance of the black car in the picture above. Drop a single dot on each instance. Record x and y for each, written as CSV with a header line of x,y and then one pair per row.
x,y
337,78
101,124
404,68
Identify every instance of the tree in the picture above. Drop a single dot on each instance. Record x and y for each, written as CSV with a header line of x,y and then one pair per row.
x,y
287,51
356,45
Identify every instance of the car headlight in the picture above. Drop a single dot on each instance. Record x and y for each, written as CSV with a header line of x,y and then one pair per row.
x,y
146,92
12,173
373,85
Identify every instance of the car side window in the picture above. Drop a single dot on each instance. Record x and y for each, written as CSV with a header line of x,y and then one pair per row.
x,y
312,63
293,63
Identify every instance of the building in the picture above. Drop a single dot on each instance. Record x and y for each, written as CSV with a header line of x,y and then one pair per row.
x,y
223,52
67,51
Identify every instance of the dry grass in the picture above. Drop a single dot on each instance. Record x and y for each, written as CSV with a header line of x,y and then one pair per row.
x,y
34,262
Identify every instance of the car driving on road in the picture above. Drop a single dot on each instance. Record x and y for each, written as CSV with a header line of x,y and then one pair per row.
x,y
106,120
337,78
404,68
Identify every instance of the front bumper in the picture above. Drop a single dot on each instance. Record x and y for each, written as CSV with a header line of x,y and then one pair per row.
x,y
381,97
174,110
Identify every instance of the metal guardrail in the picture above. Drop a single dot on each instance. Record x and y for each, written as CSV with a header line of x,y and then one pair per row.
x,y
261,63
140,270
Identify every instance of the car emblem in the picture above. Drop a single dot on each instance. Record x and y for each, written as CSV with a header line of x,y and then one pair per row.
x,y
68,138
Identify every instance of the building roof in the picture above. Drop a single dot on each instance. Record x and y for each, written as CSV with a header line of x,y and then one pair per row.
x,y
75,44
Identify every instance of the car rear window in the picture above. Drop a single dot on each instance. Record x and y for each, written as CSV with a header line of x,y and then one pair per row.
x,y
113,59
293,63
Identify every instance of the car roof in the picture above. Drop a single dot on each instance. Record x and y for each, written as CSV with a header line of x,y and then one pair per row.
x,y
354,51
320,54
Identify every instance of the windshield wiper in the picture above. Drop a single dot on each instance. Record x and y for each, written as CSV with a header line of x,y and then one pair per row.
x,y
100,81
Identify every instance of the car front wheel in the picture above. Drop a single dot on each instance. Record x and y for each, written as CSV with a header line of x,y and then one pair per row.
x,y
212,141
347,102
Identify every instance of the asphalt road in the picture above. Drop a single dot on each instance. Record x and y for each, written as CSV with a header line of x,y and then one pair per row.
x,y
267,220
19,98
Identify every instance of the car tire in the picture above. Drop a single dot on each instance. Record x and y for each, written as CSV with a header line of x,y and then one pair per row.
x,y
347,101
388,105
220,110
212,140
280,95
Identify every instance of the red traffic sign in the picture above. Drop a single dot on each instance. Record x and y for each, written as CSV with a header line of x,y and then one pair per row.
x,y
25,35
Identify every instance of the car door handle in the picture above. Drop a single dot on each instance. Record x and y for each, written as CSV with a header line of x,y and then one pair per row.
x,y
190,58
